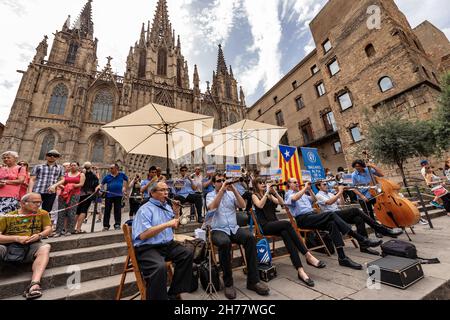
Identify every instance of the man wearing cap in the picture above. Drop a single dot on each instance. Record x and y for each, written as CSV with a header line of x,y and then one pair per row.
x,y
44,176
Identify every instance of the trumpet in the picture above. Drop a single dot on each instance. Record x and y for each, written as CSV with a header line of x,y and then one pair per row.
x,y
359,188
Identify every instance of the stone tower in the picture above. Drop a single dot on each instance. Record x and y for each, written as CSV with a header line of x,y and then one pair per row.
x,y
64,100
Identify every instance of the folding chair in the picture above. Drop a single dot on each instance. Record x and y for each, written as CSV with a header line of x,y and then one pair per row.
x,y
259,235
132,265
234,246
305,232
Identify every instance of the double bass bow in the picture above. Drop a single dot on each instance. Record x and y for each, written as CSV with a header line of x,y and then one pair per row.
x,y
392,209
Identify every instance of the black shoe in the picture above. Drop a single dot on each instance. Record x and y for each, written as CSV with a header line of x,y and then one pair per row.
x,y
369,243
175,297
370,251
260,288
321,264
230,293
347,262
379,235
309,282
390,232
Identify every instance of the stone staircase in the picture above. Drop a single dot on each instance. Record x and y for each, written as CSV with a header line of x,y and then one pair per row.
x,y
98,259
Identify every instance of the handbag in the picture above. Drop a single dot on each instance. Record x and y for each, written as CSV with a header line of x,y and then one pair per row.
x,y
16,252
198,247
263,253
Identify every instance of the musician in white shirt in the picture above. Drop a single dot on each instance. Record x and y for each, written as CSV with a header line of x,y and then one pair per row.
x,y
329,202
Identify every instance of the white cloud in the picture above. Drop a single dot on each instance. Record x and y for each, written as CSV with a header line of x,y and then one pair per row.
x,y
266,30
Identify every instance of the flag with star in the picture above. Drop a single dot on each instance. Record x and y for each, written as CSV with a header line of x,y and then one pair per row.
x,y
289,163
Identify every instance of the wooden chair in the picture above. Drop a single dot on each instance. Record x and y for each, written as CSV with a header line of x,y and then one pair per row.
x,y
132,265
234,246
259,235
305,233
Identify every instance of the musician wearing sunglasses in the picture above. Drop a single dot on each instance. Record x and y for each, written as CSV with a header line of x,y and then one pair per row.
x,y
329,202
300,204
188,193
221,204
153,239
266,200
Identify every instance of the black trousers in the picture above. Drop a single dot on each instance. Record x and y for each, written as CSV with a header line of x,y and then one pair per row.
x,y
109,202
368,207
446,200
224,241
360,219
327,221
47,201
290,239
197,200
152,262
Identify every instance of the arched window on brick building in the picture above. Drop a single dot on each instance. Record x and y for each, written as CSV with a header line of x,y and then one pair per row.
x,y
102,110
48,143
385,84
72,54
370,50
162,62
58,100
98,150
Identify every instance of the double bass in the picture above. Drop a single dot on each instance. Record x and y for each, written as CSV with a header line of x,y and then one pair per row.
x,y
392,209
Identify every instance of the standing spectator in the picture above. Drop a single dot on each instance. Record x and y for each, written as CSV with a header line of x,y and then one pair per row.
x,y
24,185
208,186
11,178
424,164
447,169
147,183
116,188
135,195
73,181
29,231
44,176
437,186
86,195
187,193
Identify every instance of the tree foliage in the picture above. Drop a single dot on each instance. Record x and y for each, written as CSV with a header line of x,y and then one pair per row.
x,y
441,121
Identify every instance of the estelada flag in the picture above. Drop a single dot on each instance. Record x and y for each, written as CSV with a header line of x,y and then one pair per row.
x,y
289,163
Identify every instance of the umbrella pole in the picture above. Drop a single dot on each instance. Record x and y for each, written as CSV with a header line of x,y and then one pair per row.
x,y
167,151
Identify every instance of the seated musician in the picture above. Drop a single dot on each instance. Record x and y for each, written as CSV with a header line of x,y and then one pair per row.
x,y
266,199
188,193
362,177
222,203
154,243
328,202
300,205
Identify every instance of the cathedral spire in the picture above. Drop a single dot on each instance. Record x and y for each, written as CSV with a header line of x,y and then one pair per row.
x,y
221,64
161,28
66,25
142,39
84,22
41,51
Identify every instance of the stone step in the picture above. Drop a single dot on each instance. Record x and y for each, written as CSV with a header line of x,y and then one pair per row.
x,y
83,255
99,289
85,240
13,282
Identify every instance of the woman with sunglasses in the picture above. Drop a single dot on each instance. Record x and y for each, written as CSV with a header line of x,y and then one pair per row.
x,y
266,200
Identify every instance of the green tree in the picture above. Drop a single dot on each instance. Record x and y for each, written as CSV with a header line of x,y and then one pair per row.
x,y
441,121
393,140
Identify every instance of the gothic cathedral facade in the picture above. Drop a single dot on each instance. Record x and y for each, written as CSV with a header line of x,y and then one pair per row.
x,y
63,100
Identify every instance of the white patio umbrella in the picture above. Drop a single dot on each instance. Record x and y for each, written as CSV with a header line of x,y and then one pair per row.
x,y
245,138
161,131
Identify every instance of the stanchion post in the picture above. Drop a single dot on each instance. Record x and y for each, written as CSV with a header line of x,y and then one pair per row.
x,y
422,203
94,216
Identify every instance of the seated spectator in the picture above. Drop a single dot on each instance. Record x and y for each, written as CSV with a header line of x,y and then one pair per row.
x,y
187,193
28,229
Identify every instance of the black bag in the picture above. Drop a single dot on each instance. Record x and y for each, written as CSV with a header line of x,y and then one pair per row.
x,y
194,282
404,249
312,240
16,253
198,247
204,275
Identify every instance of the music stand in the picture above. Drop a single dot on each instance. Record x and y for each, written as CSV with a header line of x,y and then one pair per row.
x,y
210,292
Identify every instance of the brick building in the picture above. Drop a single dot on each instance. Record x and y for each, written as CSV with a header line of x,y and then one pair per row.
x,y
358,67
63,100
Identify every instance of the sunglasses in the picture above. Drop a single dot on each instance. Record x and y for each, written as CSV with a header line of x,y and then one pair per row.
x,y
220,181
53,155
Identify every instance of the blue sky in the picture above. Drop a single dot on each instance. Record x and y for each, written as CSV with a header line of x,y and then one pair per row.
x,y
262,39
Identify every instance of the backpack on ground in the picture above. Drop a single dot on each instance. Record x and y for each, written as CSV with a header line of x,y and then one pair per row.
x,y
404,249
